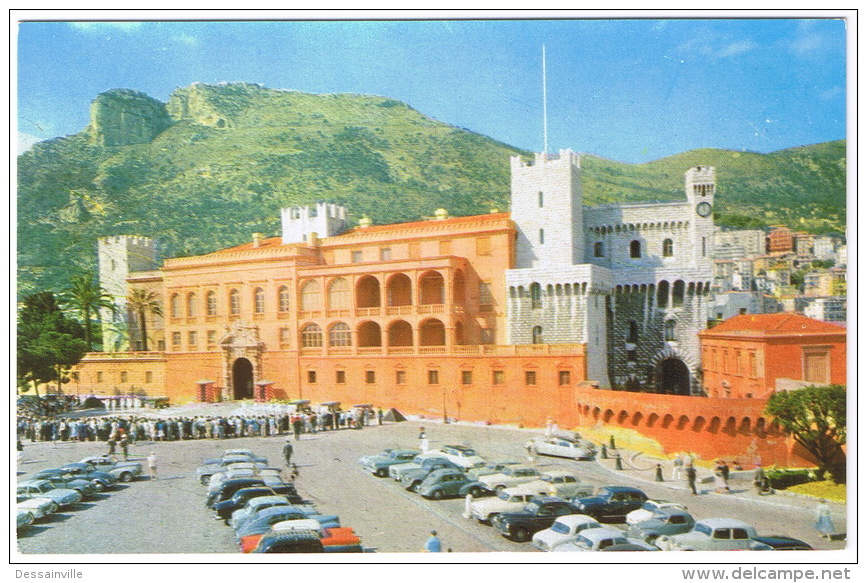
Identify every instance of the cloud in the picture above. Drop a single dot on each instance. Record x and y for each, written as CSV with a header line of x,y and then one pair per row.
x,y
106,25
26,141
186,39
737,48
831,93
717,48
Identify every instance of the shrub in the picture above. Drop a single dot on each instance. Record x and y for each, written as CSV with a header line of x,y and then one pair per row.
x,y
783,478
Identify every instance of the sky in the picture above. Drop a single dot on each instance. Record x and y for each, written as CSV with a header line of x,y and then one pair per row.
x,y
632,90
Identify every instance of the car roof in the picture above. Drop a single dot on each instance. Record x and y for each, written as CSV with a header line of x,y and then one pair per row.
x,y
558,473
445,471
259,500
622,489
31,482
724,523
595,534
548,499
571,519
521,489
459,447
299,524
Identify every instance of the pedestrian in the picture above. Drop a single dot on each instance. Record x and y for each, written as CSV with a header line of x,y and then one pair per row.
x,y
111,446
677,467
691,475
124,446
297,426
433,544
468,507
422,436
548,427
379,415
531,452
823,519
152,465
759,480
720,474
287,451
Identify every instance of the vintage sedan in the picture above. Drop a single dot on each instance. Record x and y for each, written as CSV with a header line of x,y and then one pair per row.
x,y
397,471
39,507
253,506
508,477
463,456
594,539
267,475
565,529
711,534
223,510
63,479
237,453
489,468
667,521
45,489
561,446
507,500
268,517
560,483
538,514
335,540
613,502
648,508
412,479
379,464
290,542
228,488
100,480
23,519
125,471
448,482
778,542
204,472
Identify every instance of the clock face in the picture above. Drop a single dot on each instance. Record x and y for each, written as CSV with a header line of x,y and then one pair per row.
x,y
703,209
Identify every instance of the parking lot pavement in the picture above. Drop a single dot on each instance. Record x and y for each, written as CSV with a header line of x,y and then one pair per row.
x,y
168,516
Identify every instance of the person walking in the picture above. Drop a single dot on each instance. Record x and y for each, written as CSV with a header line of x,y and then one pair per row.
x,y
759,480
433,544
124,446
691,476
287,452
152,465
823,519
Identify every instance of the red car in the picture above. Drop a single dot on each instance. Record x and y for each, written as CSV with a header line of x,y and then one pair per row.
x,y
334,540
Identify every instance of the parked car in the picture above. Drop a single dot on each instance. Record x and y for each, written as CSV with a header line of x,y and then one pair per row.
x,y
290,542
539,514
267,475
45,489
397,471
125,471
100,480
38,506
206,471
237,453
778,543
560,483
23,519
648,508
489,468
508,477
463,456
594,539
262,522
711,534
630,547
667,521
507,500
334,540
63,479
229,487
378,464
448,482
565,529
253,506
223,510
561,446
412,479
611,502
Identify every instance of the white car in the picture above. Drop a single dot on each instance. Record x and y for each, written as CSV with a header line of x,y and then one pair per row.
x,y
465,457
507,500
397,471
565,529
268,475
593,539
560,483
508,477
39,507
648,508
254,505
560,446
711,534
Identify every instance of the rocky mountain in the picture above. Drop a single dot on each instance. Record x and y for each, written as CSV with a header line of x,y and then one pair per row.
x,y
217,162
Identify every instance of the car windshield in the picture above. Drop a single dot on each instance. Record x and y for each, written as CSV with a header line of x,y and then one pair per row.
x,y
584,543
532,507
502,495
560,527
546,478
703,529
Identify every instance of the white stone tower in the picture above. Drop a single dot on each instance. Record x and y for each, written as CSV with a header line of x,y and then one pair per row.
x,y
323,220
700,184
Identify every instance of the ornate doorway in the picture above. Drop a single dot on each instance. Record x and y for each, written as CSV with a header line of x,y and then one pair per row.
x,y
242,379
672,377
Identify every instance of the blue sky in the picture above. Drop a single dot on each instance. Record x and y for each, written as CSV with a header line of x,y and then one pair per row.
x,y
630,90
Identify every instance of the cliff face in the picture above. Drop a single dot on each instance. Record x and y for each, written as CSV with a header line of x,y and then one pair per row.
x,y
216,106
121,117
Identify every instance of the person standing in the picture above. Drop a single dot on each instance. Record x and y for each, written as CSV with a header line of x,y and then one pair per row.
x,y
759,480
691,476
152,465
124,446
677,468
433,544
422,436
823,519
297,426
287,452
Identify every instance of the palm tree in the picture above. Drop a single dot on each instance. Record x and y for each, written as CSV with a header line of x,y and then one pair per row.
x,y
142,303
87,297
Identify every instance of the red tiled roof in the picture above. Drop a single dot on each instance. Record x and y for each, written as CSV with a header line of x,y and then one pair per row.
x,y
782,323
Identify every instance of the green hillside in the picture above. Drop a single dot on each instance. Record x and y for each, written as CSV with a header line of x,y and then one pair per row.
x,y
217,162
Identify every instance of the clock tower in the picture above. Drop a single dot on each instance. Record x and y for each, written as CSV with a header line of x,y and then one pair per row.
x,y
700,184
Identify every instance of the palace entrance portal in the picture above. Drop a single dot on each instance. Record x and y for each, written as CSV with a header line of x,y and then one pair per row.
x,y
242,379
672,377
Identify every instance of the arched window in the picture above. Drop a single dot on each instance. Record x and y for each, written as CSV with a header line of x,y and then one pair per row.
x,y
311,299
670,326
599,249
175,305
537,335
259,300
632,336
635,249
211,303
338,294
662,294
283,299
668,248
192,312
535,295
340,335
311,336
677,293
234,302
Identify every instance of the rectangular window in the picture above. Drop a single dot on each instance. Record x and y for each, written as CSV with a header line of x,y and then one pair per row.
x,y
483,246
541,236
565,378
632,355
400,377
311,377
161,344
123,376
99,376
357,256
212,337
487,336
486,298
284,336
370,377
466,377
445,247
754,365
499,377
598,249
414,250
704,246
192,338
149,376
433,377
385,254
817,365
340,377
176,338
530,378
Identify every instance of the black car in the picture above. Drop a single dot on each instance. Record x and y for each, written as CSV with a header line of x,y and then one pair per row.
x,y
778,543
613,502
229,487
223,509
299,541
539,514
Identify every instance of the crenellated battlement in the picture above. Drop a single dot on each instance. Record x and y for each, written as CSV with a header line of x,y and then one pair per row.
x,y
542,158
323,219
